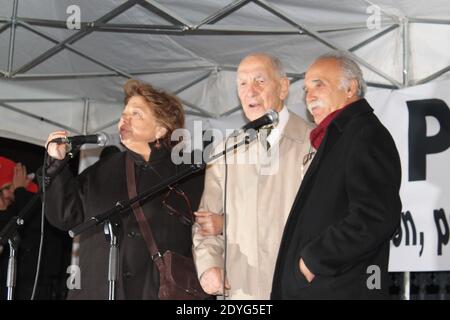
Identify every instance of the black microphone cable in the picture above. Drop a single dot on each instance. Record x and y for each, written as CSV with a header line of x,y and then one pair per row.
x,y
225,213
41,239
248,139
225,218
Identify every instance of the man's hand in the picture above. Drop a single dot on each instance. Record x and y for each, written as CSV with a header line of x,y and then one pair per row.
x,y
304,269
212,281
210,223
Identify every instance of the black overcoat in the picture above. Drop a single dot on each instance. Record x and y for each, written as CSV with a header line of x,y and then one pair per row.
x,y
345,212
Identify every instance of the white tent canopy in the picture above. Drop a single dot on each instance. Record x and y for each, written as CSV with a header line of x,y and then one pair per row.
x,y
54,77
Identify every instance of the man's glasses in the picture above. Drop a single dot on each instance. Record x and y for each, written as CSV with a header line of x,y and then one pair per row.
x,y
181,209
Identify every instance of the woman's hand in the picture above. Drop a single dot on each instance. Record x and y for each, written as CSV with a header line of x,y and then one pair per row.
x,y
55,150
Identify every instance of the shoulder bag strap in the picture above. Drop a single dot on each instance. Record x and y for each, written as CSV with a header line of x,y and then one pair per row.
x,y
139,214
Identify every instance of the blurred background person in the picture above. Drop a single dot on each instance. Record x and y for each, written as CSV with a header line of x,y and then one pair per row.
x,y
17,190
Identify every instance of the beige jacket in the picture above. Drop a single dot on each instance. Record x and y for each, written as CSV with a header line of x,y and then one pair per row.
x,y
259,199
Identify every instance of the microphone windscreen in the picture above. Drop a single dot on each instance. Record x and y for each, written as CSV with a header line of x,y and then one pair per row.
x,y
273,116
102,139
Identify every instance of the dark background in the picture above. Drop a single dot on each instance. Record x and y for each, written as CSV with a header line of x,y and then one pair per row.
x,y
31,155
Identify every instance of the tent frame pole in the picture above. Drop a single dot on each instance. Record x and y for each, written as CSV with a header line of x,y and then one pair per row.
x,y
12,38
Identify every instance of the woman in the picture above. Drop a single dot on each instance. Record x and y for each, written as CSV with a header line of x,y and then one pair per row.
x,y
145,127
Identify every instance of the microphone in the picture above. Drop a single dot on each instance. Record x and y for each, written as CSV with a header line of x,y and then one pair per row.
x,y
269,118
99,138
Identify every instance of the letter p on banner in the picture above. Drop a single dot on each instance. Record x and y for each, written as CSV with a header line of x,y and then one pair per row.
x,y
421,145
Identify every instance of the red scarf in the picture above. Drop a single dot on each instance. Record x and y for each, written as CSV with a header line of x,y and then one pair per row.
x,y
317,134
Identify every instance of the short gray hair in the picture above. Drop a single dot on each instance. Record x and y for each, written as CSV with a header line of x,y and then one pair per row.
x,y
276,63
350,71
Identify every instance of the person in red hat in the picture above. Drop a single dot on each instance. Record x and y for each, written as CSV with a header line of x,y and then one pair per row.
x,y
12,176
16,191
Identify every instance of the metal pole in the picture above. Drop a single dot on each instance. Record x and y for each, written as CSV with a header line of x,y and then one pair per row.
x,y
33,116
222,13
12,38
113,259
429,21
78,52
12,266
406,286
406,51
85,115
373,38
192,83
75,37
5,26
303,29
49,76
164,12
433,76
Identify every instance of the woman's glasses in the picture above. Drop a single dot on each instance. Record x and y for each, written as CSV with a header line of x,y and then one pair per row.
x,y
181,209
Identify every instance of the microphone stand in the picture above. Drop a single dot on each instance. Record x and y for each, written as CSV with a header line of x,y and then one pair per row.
x,y
111,218
111,229
249,137
10,234
12,266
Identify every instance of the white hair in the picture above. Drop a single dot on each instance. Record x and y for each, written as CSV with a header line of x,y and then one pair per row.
x,y
350,71
276,63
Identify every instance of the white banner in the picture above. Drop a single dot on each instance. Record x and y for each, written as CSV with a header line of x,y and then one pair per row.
x,y
419,121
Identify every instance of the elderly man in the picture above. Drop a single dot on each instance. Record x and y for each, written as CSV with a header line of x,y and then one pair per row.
x,y
258,203
336,241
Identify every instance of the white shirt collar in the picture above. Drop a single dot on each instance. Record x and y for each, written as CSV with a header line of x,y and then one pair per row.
x,y
275,134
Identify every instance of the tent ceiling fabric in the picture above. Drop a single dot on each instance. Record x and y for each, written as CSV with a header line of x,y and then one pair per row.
x,y
192,48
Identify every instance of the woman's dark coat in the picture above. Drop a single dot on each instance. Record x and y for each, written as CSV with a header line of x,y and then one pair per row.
x,y
72,201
